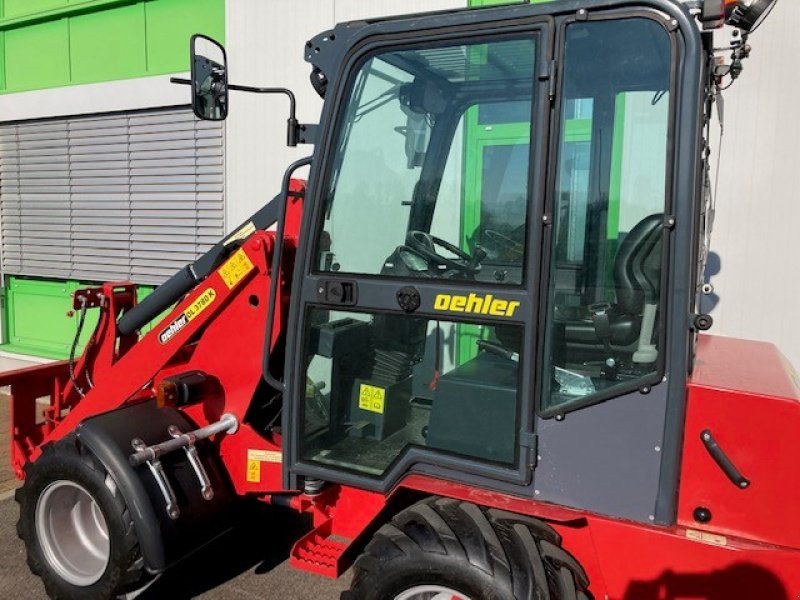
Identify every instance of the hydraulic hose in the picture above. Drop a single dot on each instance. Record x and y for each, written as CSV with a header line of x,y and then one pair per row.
x,y
182,282
162,297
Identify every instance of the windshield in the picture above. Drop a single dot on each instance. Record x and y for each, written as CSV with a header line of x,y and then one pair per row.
x,y
430,173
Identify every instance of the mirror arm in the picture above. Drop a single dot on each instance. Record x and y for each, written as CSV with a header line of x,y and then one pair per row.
x,y
292,124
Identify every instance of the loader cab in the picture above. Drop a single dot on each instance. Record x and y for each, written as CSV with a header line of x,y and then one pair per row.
x,y
489,240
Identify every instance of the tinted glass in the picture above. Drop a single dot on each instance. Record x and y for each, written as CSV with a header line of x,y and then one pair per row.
x,y
379,384
605,298
396,199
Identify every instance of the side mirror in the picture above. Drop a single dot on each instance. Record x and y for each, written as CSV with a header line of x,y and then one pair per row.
x,y
209,79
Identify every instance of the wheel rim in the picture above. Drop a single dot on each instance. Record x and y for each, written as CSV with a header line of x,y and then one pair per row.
x,y
72,533
431,592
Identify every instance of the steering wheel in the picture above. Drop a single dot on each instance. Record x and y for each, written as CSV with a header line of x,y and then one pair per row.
x,y
514,248
425,245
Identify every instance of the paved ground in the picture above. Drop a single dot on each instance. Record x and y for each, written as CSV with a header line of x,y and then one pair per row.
x,y
245,564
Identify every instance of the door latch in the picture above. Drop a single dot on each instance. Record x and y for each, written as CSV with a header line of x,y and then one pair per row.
x,y
341,293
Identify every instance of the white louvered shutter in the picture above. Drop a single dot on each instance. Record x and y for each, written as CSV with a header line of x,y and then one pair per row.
x,y
120,196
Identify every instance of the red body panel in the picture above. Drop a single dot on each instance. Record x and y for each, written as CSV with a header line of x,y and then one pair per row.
x,y
747,395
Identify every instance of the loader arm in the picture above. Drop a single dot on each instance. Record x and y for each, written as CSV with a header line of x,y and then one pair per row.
x,y
237,288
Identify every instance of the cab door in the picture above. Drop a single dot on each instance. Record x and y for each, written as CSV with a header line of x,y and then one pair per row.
x,y
416,320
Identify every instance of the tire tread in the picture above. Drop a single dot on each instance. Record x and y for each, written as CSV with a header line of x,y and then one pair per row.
x,y
521,555
66,450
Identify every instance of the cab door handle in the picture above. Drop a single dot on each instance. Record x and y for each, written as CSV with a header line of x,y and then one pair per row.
x,y
338,292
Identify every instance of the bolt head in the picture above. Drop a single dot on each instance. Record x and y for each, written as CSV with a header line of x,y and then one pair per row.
x,y
702,514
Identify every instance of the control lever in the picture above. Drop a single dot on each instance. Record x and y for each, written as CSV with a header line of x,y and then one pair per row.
x,y
498,350
477,258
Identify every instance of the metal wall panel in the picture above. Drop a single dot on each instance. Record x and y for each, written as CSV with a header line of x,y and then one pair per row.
x,y
265,47
121,196
756,230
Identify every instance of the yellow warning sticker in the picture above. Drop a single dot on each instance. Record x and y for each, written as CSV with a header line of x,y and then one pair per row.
x,y
253,471
233,271
254,460
371,398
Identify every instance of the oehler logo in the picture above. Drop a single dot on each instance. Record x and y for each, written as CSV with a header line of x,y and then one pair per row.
x,y
173,328
476,305
202,302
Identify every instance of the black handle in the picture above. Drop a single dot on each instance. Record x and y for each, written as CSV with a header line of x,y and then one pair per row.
x,y
162,298
180,80
723,461
498,350
477,258
342,293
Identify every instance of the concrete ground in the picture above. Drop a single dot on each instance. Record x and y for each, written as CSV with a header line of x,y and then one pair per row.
x,y
246,564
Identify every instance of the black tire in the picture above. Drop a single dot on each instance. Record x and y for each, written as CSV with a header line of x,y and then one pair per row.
x,y
484,554
67,461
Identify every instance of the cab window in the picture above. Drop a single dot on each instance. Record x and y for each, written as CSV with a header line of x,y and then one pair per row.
x,y
605,298
409,195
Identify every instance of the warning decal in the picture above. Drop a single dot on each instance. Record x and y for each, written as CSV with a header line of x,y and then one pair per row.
x,y
233,271
253,471
371,398
244,232
254,460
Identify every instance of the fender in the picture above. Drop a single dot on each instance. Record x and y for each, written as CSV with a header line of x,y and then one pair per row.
x,y
162,540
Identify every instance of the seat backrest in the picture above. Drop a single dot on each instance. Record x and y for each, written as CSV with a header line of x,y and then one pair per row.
x,y
635,284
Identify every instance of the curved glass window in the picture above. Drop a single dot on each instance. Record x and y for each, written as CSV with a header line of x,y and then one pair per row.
x,y
410,193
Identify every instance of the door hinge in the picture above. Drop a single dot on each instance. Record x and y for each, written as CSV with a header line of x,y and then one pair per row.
x,y
531,442
552,79
548,74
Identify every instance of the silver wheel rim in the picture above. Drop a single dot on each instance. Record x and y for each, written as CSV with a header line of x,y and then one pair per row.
x,y
431,592
72,533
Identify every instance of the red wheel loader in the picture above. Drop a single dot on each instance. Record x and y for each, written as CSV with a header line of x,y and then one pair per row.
x,y
467,346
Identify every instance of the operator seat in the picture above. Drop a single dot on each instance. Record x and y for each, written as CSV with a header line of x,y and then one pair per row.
x,y
637,281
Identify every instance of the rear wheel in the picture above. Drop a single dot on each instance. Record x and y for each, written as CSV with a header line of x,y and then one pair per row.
x,y
444,549
77,530
430,592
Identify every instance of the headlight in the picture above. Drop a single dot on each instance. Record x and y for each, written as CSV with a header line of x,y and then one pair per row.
x,y
747,15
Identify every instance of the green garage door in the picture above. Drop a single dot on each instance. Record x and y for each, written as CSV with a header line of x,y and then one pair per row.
x,y
36,316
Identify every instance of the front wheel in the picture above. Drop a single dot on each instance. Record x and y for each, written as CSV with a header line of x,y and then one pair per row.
x,y
443,549
77,530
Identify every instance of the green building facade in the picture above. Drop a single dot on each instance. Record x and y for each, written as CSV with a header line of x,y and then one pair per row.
x,y
49,45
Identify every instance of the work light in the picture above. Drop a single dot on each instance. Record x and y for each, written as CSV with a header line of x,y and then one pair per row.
x,y
747,15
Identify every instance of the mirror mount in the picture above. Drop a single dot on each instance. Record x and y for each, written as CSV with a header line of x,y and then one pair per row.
x,y
210,88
